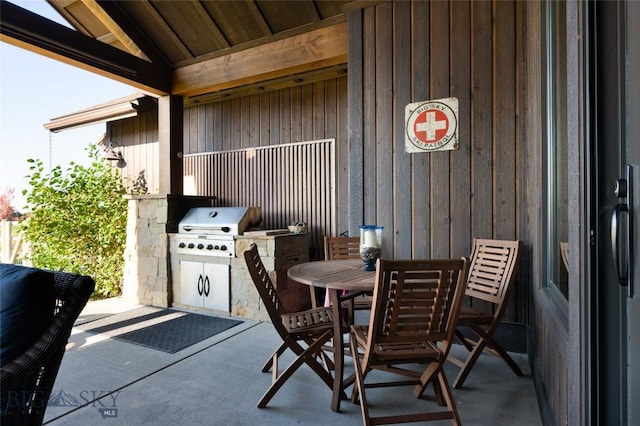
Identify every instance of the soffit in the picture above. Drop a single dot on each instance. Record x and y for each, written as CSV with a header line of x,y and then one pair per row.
x,y
179,34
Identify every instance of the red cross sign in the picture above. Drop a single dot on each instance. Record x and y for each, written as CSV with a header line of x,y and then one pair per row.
x,y
431,125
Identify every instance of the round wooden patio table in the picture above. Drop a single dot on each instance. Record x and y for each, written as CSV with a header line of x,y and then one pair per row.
x,y
336,276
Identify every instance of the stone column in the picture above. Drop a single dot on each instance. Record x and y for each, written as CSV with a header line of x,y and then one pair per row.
x,y
146,256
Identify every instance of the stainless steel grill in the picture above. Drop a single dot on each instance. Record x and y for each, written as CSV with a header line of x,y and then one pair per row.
x,y
211,231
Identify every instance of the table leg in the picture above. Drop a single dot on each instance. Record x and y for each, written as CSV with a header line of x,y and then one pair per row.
x,y
338,344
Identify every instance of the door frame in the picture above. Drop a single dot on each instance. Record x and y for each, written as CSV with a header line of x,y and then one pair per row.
x,y
604,383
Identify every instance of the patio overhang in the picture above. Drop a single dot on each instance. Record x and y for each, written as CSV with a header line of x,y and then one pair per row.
x,y
117,109
30,31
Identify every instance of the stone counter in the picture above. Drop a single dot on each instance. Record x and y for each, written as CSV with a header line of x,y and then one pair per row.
x,y
278,254
151,272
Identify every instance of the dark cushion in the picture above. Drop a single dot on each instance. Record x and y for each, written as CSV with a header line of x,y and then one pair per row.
x,y
27,304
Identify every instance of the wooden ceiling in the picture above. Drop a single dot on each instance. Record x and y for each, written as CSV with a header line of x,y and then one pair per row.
x,y
185,32
195,49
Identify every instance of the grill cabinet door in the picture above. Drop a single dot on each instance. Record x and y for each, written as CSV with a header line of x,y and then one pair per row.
x,y
205,285
216,287
192,282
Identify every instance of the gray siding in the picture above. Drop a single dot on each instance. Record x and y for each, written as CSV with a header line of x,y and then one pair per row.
x,y
304,113
137,139
434,204
290,183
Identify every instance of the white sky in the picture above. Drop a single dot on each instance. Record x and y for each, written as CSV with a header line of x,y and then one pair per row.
x,y
33,90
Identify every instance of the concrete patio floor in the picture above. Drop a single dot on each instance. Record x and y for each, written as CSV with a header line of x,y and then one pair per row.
x,y
218,382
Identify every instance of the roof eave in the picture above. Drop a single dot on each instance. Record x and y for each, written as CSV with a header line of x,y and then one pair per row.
x,y
117,109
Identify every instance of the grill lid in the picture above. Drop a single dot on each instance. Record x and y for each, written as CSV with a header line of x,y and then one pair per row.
x,y
219,220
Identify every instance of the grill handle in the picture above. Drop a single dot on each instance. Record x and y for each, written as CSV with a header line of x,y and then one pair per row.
x,y
189,228
206,286
200,285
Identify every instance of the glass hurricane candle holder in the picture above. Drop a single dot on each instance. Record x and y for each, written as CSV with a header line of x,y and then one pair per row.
x,y
370,245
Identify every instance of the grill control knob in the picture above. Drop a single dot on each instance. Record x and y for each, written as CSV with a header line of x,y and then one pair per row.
x,y
200,246
182,245
209,247
191,245
223,248
217,247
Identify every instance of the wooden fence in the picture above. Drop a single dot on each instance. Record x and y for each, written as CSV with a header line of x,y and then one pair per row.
x,y
10,242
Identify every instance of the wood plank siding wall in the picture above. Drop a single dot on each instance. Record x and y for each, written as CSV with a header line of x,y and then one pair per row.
x,y
303,113
290,183
430,204
307,112
434,204
137,139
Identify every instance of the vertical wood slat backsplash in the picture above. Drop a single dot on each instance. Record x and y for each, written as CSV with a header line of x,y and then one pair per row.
x,y
289,182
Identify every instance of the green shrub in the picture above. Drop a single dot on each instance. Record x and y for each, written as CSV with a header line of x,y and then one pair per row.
x,y
78,221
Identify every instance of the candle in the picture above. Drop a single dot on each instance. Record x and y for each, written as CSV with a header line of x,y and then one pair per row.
x,y
370,239
370,250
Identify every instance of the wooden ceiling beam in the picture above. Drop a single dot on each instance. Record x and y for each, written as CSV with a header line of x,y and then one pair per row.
x,y
322,74
61,7
113,28
114,11
30,31
321,48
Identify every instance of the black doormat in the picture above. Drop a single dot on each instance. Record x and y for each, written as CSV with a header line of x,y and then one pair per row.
x,y
166,330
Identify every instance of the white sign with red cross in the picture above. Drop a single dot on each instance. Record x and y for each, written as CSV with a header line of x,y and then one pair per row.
x,y
431,125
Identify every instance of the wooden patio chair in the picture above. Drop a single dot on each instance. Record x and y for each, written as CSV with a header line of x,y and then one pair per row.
x,y
314,327
490,279
336,248
341,248
415,306
31,375
564,251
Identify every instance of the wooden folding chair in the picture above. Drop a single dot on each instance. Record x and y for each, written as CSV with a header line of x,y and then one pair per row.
x,y
564,251
415,306
490,279
314,327
336,248
341,248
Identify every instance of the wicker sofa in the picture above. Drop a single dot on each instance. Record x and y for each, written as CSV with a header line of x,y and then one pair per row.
x,y
27,380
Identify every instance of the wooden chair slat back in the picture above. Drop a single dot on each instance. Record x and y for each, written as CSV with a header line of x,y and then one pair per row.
x,y
341,248
492,267
564,251
416,300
